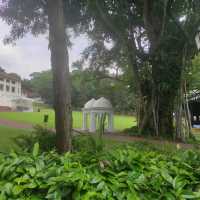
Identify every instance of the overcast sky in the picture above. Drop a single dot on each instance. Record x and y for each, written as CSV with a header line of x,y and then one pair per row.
x,y
31,54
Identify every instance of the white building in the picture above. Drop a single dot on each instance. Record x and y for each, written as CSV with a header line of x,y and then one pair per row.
x,y
11,98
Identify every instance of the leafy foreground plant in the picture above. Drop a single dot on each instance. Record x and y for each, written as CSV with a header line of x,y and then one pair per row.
x,y
46,138
41,135
122,174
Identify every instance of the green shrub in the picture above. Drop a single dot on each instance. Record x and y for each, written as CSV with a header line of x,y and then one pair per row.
x,y
125,173
46,138
90,143
133,131
84,143
41,135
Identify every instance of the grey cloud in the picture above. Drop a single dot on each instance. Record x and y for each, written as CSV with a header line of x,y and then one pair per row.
x,y
31,54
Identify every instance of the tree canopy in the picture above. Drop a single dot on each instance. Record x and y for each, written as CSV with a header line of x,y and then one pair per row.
x,y
39,17
147,43
86,84
151,39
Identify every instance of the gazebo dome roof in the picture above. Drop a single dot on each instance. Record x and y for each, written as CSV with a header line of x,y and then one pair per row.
x,y
89,104
102,103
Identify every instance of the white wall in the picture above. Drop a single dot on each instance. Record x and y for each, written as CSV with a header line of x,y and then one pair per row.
x,y
11,85
5,101
7,96
14,98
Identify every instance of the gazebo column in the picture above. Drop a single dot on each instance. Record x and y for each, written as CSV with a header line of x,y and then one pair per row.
x,y
110,122
92,122
84,128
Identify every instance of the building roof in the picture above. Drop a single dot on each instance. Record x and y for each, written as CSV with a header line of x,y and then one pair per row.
x,y
10,76
89,104
101,103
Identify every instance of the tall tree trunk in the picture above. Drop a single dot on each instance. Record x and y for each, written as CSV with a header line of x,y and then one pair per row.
x,y
157,103
61,77
156,115
165,113
145,121
160,101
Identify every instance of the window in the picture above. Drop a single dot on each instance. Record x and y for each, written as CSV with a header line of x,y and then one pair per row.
x,y
13,89
7,88
13,82
1,79
1,87
7,81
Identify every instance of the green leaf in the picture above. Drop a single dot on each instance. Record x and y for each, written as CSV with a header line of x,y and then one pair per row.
x,y
132,196
17,189
36,149
166,176
8,188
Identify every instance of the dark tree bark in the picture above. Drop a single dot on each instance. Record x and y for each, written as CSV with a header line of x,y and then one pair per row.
x,y
165,113
156,113
61,77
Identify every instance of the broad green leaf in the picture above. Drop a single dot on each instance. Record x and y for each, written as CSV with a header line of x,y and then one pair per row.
x,y
36,150
17,189
166,176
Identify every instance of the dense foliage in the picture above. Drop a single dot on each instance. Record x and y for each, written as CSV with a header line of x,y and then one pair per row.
x,y
153,41
45,137
86,84
125,173
39,17
193,74
146,42
40,84
40,135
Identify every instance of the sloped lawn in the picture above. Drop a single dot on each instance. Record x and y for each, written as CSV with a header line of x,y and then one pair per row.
x,y
120,122
6,137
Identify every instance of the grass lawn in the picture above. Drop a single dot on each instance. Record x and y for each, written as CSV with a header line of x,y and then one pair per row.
x,y
7,134
120,122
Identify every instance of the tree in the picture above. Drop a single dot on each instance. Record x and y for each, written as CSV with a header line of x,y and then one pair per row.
x,y
86,84
151,38
61,78
41,83
38,16
193,74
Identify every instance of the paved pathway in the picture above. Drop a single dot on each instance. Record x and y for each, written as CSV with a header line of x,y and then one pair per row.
x,y
14,124
117,137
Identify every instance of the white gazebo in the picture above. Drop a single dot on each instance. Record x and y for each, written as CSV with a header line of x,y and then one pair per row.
x,y
95,109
